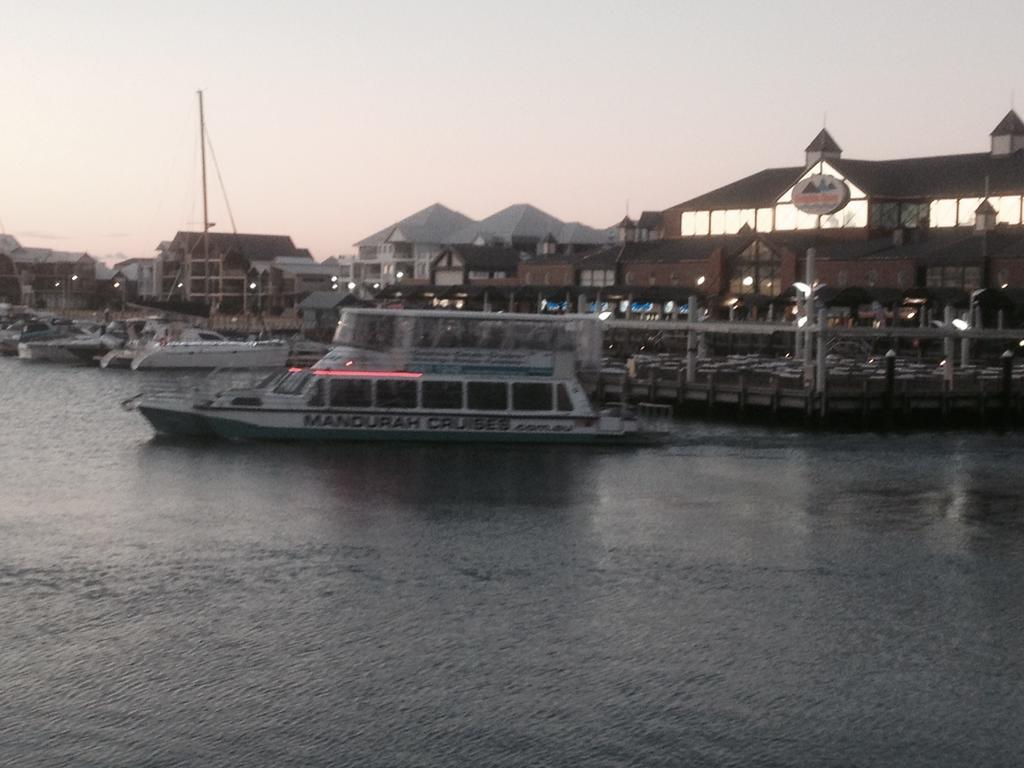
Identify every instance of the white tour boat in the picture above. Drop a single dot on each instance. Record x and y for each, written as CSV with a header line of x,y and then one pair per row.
x,y
425,375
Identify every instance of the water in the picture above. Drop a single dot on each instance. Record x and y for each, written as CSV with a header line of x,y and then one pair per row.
x,y
739,597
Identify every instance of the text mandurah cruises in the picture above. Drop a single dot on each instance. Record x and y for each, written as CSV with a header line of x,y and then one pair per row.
x,y
426,375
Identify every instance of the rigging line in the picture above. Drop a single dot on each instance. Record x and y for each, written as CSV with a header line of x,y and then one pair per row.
x,y
220,180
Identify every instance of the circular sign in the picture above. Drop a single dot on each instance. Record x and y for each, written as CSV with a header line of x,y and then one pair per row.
x,y
820,194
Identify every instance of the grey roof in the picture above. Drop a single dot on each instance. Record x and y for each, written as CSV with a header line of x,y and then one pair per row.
x,y
249,246
324,299
910,178
1011,125
8,244
486,258
650,220
525,222
48,256
823,142
434,224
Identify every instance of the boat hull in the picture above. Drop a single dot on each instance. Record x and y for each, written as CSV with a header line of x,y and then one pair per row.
x,y
213,355
324,426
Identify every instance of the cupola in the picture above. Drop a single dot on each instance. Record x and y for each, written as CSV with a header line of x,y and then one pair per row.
x,y
627,230
984,217
1008,136
823,147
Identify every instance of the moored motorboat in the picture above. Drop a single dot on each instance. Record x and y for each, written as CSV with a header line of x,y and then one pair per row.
x,y
82,344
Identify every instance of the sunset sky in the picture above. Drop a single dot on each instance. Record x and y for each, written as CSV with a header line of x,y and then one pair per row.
x,y
331,120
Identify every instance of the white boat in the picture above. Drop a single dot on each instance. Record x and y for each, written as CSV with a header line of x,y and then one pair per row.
x,y
524,390
82,344
163,344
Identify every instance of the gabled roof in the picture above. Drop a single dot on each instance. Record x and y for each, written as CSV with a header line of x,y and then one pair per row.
x,y
526,222
433,224
48,256
249,246
325,299
8,244
485,258
759,189
650,220
823,142
1011,125
910,178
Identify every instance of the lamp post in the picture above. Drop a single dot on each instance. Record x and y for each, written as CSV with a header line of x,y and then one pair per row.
x,y
123,285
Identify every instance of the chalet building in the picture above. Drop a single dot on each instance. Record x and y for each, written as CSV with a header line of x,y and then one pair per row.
x,y
184,273
406,250
46,278
945,222
135,278
476,265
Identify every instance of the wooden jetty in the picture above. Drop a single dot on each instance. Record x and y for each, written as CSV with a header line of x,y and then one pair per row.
x,y
807,383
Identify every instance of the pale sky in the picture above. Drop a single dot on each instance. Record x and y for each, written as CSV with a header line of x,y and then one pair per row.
x,y
331,120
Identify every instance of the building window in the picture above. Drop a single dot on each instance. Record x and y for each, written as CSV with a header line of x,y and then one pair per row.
x,y
942,213
967,278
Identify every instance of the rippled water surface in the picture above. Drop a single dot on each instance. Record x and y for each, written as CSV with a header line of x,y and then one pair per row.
x,y
740,597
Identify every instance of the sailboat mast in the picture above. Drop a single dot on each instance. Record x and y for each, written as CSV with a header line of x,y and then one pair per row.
x,y
206,217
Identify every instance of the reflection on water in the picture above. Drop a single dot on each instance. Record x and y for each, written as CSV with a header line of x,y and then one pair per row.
x,y
740,596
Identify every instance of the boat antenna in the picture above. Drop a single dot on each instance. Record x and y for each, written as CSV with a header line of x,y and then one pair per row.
x,y
206,216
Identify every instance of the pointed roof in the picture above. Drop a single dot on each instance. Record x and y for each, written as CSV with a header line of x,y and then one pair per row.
x,y
1011,125
823,142
985,207
525,222
626,223
433,224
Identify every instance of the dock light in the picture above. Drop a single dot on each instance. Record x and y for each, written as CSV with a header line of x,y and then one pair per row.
x,y
700,280
669,306
748,281
801,322
252,286
399,275
57,284
941,363
1021,343
376,286
804,288
74,277
334,278
117,283
606,314
351,286
334,286
181,285
961,325
1004,286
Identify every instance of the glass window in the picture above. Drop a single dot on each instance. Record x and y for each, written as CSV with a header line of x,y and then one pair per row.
x,y
913,214
1009,209
785,216
396,393
564,401
531,396
442,395
687,224
293,383
764,219
701,222
972,278
965,214
718,222
942,213
351,393
487,395
806,220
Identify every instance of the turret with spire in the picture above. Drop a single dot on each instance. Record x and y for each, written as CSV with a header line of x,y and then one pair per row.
x,y
823,147
1008,136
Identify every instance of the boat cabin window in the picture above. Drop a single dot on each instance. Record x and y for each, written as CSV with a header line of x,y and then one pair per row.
x,y
395,393
293,383
442,395
564,401
487,396
316,397
531,396
351,393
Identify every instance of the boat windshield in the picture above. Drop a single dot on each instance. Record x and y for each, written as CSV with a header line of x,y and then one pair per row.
x,y
292,383
430,330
